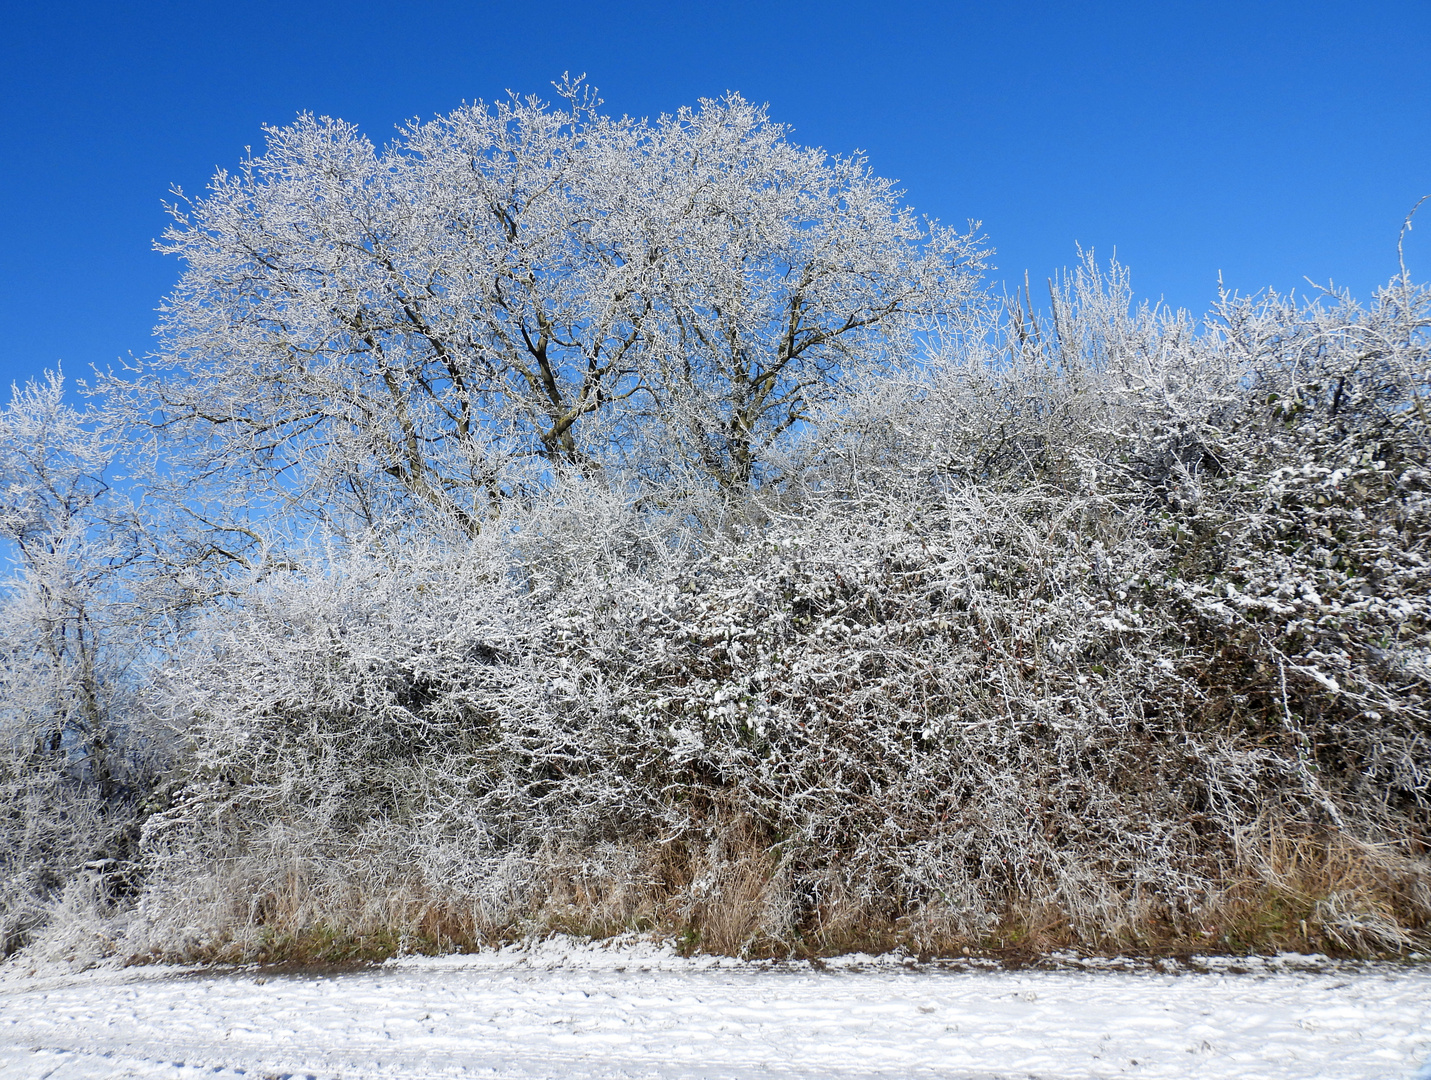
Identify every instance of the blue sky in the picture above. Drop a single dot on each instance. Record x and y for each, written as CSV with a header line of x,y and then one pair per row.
x,y
1270,141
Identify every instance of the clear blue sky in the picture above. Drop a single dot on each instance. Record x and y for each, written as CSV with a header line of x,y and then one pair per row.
x,y
1267,140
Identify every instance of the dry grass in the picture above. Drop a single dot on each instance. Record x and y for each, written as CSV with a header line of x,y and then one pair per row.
x,y
730,891
1326,889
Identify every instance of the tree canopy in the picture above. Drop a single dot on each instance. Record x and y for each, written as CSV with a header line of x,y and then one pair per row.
x,y
519,289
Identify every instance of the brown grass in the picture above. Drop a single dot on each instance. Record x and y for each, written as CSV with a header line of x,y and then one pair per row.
x,y
1289,886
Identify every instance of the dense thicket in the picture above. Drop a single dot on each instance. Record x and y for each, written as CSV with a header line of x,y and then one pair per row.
x,y
1089,626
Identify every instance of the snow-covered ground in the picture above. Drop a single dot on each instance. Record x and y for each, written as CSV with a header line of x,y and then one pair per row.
x,y
566,1011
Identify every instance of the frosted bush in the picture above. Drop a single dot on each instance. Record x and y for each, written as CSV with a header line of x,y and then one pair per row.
x,y
1095,635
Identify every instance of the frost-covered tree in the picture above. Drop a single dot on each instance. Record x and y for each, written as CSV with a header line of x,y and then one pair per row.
x,y
52,480
516,290
65,757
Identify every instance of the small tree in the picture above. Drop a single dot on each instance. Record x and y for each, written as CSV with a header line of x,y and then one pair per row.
x,y
65,781
51,481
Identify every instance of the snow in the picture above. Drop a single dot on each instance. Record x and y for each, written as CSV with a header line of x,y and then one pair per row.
x,y
562,1010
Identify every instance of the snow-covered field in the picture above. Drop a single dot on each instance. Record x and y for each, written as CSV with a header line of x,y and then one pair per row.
x,y
565,1011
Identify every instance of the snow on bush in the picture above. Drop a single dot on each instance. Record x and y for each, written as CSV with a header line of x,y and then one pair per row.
x,y
1115,634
